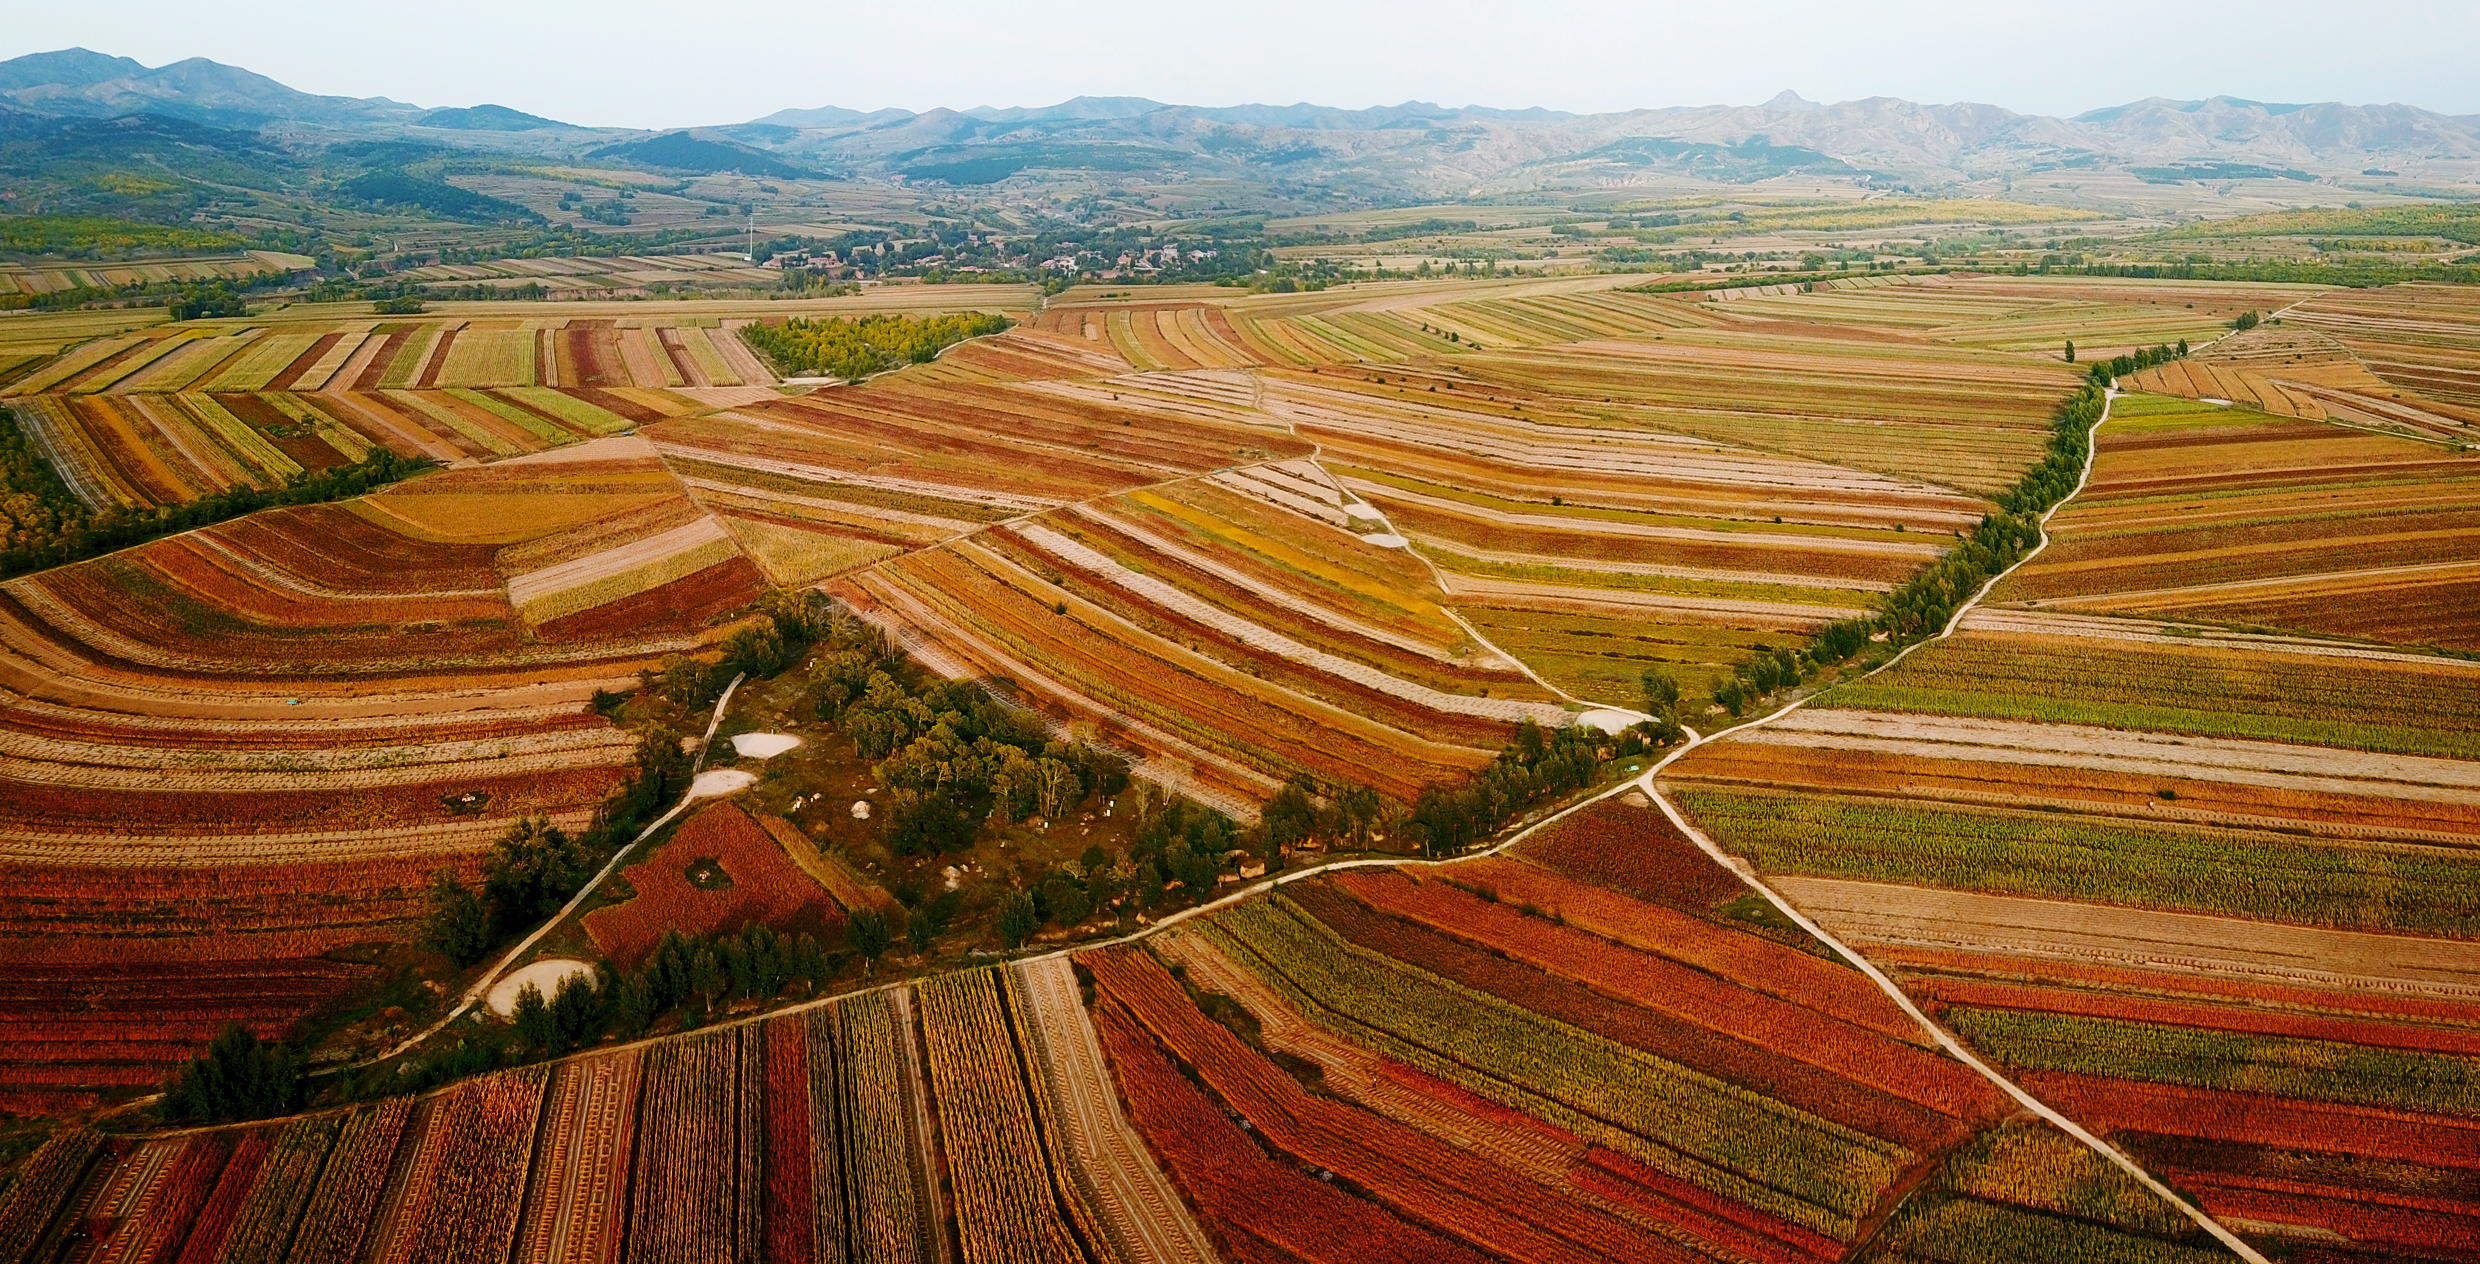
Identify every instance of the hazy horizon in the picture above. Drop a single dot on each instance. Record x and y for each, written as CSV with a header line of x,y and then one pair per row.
x,y
636,64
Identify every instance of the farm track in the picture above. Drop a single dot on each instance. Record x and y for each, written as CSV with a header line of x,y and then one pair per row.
x,y
1649,783
933,1188
1149,1221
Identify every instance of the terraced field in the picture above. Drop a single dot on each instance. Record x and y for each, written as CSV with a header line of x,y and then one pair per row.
x,y
176,412
1436,538
2227,516
2177,828
229,752
1518,1061
1359,535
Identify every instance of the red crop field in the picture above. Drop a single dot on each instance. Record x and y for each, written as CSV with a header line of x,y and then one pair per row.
x,y
748,879
2223,1017
1417,1176
1858,1054
1882,1101
1776,969
206,1234
2135,1106
790,1198
1263,1209
1626,846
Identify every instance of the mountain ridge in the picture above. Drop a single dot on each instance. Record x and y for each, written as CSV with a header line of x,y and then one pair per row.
x,y
1412,148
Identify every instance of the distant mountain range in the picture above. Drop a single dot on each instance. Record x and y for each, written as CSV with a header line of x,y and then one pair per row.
x,y
1411,149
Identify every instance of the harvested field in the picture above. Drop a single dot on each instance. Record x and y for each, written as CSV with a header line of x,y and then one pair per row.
x,y
2033,929
576,1203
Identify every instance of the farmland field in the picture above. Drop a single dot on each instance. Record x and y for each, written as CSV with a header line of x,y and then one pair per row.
x,y
1248,580
2173,828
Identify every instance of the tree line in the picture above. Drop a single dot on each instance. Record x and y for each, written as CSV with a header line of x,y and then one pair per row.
x,y
852,349
46,525
1924,604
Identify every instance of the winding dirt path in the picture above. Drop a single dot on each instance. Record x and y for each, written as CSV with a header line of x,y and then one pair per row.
x,y
1945,1039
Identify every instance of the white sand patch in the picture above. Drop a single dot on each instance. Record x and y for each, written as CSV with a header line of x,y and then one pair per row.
x,y
715,783
763,745
546,974
1608,719
1389,540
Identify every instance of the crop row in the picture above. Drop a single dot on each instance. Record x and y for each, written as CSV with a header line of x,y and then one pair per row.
x,y
782,1141
2110,998
152,450
1013,1203
2202,795
1969,1231
340,1213
1866,1058
1254,723
697,1194
1259,1208
479,1147
2207,692
1422,1178
2038,1167
2063,857
263,1229
1587,541
1245,642
2317,1070
1004,438
42,1182
867,1173
1670,1032
1713,1133
1384,620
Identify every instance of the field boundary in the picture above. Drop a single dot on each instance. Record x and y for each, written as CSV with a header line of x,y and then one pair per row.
x,y
1945,1039
482,986
1645,782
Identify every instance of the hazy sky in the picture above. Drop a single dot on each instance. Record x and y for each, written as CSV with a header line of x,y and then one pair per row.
x,y
654,63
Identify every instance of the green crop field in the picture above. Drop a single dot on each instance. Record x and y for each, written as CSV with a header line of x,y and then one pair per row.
x,y
2043,854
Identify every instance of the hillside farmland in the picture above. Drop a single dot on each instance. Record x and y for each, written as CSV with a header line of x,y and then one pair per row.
x,y
1310,540
2243,653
